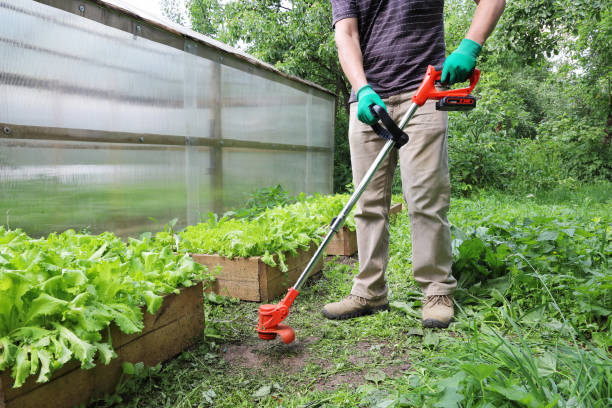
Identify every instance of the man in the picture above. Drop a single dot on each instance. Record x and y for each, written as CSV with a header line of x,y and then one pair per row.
x,y
384,48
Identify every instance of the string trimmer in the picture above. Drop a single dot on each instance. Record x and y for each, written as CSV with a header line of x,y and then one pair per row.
x,y
271,316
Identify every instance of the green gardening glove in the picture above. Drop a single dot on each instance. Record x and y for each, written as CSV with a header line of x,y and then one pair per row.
x,y
459,65
366,97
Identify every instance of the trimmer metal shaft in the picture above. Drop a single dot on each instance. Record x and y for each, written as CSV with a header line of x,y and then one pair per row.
x,y
341,218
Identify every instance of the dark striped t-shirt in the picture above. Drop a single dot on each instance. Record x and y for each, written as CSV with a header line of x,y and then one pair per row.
x,y
399,38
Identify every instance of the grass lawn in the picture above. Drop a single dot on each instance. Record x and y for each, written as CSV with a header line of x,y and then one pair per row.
x,y
536,335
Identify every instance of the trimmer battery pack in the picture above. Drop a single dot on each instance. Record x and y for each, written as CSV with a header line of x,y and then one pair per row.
x,y
456,103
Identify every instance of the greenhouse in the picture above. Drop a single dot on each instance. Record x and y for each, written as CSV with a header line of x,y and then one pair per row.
x,y
111,117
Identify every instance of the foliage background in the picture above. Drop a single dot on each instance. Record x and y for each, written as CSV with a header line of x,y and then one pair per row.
x,y
544,101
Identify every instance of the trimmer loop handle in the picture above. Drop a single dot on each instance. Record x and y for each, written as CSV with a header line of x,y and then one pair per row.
x,y
428,90
392,131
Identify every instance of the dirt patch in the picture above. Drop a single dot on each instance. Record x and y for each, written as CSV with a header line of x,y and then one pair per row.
x,y
270,355
365,358
455,334
395,371
344,260
357,377
332,382
366,352
362,355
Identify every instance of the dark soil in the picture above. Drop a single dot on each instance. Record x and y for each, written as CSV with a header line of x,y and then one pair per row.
x,y
272,356
292,359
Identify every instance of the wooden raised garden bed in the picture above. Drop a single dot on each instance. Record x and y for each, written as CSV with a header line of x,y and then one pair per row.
x,y
344,243
252,279
178,324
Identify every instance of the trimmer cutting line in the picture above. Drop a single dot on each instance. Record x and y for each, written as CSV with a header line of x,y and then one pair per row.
x,y
271,316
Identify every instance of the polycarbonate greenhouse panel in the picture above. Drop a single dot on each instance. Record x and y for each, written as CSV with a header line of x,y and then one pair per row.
x,y
111,118
65,71
90,185
272,112
321,120
285,168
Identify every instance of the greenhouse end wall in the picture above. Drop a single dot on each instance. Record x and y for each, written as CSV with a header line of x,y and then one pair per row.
x,y
113,120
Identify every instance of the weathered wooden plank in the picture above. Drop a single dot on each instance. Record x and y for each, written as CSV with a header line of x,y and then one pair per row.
x,y
178,324
174,307
74,388
7,382
78,386
251,279
244,290
237,277
275,282
343,243
239,269
2,404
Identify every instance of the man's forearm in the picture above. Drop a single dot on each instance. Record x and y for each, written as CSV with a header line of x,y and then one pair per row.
x,y
485,19
349,53
351,59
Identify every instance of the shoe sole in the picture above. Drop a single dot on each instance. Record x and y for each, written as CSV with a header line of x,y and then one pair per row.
x,y
435,324
359,313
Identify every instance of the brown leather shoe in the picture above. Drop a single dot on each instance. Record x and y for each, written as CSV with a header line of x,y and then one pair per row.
x,y
354,306
438,311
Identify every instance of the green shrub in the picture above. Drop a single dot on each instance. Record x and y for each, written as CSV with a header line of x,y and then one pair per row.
x,y
580,148
343,175
479,163
532,130
523,258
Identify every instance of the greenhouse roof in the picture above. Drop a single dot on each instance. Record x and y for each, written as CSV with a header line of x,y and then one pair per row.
x,y
169,26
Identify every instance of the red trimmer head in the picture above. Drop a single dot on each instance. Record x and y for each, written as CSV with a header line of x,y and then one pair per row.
x,y
271,316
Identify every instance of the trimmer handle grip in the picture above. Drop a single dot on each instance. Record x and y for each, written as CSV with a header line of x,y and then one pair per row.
x,y
428,90
390,131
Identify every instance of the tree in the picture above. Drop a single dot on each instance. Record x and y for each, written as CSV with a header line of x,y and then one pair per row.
x,y
173,10
206,16
591,26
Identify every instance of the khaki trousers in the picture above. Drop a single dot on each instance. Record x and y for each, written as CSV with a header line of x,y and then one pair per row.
x,y
426,188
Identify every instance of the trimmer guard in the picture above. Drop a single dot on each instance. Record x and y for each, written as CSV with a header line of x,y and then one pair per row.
x,y
285,332
271,316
